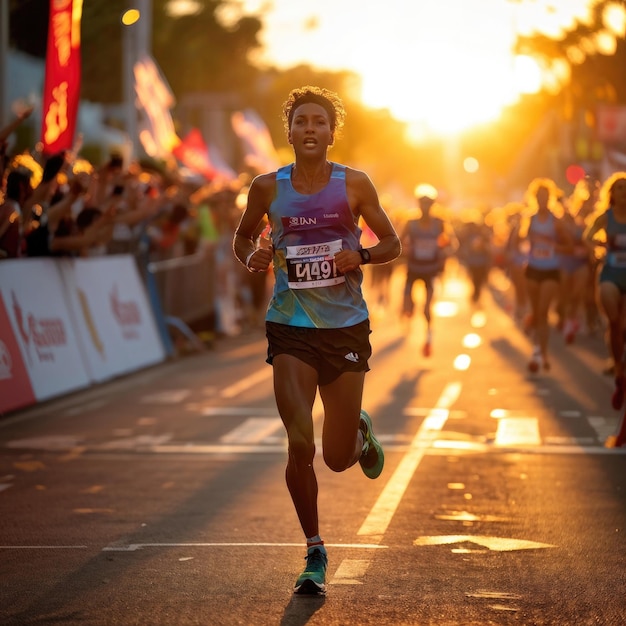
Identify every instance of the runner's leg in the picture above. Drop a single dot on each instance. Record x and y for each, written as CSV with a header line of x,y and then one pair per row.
x,y
548,290
295,386
342,441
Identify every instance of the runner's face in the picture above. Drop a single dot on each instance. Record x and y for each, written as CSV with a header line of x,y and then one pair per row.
x,y
310,131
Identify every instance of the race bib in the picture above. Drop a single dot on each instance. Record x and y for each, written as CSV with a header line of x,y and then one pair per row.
x,y
312,266
542,252
425,250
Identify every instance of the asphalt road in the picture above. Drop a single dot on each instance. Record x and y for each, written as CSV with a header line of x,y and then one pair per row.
x,y
159,498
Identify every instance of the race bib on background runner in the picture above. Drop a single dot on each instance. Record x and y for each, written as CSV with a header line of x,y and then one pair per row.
x,y
313,265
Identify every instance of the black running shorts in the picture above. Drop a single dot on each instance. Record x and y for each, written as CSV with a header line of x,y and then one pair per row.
x,y
330,351
538,275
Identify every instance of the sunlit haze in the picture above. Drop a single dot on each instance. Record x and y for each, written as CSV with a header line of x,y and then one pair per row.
x,y
441,66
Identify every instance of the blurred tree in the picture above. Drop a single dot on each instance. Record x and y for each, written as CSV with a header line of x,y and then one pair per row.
x,y
195,51
584,68
594,54
101,50
28,20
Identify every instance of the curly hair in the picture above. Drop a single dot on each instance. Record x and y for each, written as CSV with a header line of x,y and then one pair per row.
x,y
605,197
331,102
551,187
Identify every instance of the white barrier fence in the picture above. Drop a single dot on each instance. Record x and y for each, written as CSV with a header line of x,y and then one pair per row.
x,y
68,323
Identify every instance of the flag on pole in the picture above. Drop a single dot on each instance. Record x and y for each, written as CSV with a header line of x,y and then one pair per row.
x,y
61,93
260,153
155,99
194,153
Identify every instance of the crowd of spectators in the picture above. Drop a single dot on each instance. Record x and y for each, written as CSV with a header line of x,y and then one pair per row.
x,y
62,205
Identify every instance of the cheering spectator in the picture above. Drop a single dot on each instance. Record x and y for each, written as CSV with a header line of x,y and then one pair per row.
x,y
18,190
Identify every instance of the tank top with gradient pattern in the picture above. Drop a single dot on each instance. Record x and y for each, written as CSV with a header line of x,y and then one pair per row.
x,y
616,241
307,231
542,237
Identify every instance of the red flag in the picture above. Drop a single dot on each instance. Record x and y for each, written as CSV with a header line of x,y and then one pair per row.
x,y
193,152
62,82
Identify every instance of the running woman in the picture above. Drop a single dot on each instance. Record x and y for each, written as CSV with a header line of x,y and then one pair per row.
x,y
317,321
608,231
547,237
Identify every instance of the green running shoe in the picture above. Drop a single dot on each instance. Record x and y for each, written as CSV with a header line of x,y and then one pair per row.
x,y
372,458
313,579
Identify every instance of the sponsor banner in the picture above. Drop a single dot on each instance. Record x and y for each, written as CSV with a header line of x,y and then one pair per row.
x,y
15,388
112,315
61,92
35,301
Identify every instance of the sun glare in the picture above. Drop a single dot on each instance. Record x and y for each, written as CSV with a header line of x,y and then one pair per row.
x,y
441,67
527,74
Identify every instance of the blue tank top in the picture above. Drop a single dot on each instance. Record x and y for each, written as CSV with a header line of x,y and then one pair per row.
x,y
423,252
579,255
616,241
542,237
307,231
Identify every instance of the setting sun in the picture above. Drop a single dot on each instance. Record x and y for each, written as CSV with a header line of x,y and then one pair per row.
x,y
441,67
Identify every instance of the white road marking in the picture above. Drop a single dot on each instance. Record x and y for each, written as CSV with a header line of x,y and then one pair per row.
x,y
47,442
132,547
236,410
173,396
380,516
132,443
253,430
350,572
259,376
493,595
569,441
497,544
478,320
83,408
43,547
602,426
462,362
518,431
217,449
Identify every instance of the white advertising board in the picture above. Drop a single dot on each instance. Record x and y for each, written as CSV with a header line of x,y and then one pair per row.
x,y
36,306
112,315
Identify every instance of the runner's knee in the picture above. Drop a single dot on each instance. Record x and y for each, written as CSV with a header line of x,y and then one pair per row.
x,y
301,449
338,461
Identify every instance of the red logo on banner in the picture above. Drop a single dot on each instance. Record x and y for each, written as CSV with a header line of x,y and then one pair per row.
x,y
62,83
126,313
44,334
15,388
